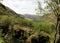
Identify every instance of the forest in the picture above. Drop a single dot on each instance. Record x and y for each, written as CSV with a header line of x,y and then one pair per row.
x,y
17,29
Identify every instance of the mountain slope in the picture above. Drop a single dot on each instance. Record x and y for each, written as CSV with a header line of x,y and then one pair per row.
x,y
16,29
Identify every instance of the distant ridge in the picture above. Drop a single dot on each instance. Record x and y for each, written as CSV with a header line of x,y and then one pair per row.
x,y
6,10
28,16
33,17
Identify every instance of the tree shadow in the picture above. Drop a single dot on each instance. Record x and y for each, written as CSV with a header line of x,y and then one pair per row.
x,y
40,39
58,41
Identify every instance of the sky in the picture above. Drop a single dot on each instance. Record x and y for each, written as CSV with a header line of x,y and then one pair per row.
x,y
22,6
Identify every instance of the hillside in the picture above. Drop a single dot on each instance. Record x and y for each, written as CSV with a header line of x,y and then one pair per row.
x,y
16,29
48,18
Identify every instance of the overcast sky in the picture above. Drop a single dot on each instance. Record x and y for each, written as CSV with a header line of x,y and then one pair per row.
x,y
22,6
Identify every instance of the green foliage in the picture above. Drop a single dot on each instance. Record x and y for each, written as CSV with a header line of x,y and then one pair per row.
x,y
44,26
8,18
36,26
1,38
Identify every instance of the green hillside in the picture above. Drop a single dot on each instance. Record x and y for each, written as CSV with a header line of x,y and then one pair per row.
x,y
15,29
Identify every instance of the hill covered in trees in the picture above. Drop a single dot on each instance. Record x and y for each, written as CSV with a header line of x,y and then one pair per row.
x,y
16,29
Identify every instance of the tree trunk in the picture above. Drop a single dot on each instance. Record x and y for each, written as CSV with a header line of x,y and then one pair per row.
x,y
57,28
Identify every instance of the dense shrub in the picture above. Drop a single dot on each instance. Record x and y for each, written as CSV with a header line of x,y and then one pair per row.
x,y
6,20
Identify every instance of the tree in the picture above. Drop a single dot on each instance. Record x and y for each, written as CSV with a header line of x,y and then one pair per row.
x,y
53,7
40,9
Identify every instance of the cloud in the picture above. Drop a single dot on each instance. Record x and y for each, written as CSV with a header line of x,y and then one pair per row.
x,y
22,6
